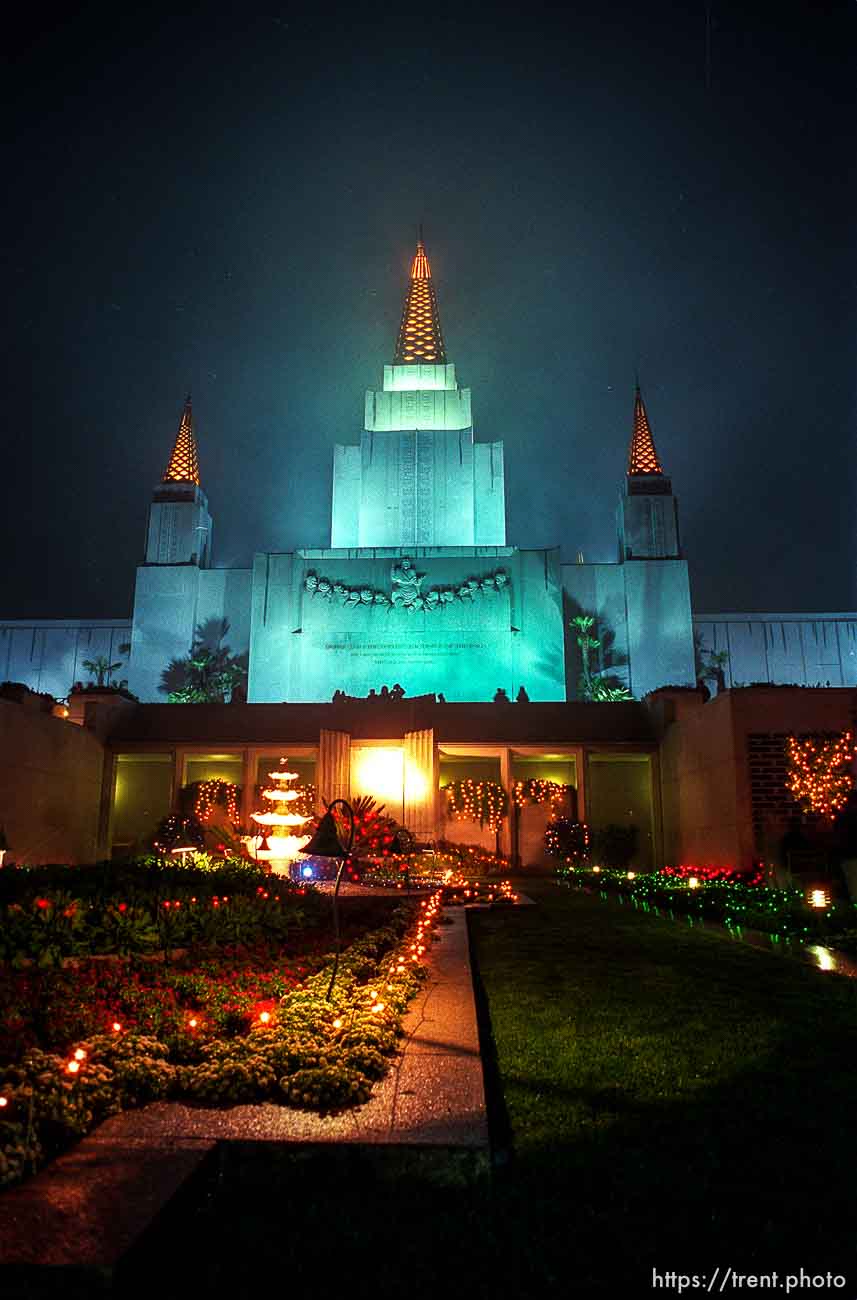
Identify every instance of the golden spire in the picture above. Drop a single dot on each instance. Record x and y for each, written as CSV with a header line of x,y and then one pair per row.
x,y
642,457
183,465
420,338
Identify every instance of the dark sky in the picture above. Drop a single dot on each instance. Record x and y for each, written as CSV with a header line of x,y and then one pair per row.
x,y
227,203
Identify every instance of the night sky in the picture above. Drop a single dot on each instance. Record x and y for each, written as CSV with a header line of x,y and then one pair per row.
x,y
227,204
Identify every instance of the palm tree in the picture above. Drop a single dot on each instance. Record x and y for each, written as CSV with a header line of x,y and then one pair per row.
x,y
101,668
208,675
592,684
714,668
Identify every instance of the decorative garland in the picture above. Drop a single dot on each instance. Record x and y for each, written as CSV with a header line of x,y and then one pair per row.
x,y
485,802
407,595
819,775
536,790
210,793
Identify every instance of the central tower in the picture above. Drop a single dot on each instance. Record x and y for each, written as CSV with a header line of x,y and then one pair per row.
x,y
418,478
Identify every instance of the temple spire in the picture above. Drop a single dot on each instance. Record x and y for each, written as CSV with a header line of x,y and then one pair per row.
x,y
420,338
642,457
183,466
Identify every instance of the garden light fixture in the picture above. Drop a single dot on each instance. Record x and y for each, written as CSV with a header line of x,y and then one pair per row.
x,y
327,844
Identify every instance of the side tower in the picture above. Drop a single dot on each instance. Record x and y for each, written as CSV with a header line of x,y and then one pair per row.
x,y
657,585
418,478
178,549
179,530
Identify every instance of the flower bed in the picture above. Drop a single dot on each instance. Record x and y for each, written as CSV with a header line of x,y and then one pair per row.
x,y
223,1029
50,913
721,895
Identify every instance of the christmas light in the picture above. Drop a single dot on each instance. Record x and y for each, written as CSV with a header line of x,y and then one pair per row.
x,y
535,790
819,775
485,802
264,1016
818,898
72,1067
4,1101
80,1054
210,793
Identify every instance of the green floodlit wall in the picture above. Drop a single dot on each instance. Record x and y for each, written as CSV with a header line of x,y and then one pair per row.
x,y
619,792
142,795
305,644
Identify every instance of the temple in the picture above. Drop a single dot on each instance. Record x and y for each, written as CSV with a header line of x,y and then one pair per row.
x,y
422,588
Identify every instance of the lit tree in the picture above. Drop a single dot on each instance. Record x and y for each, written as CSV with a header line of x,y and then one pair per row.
x,y
819,774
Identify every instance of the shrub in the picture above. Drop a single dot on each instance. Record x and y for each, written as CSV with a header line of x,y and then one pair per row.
x,y
312,1053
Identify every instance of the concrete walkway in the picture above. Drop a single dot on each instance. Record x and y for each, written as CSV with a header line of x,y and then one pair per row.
x,y
90,1205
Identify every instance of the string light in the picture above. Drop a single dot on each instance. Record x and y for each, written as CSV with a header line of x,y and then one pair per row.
x,y
819,772
485,802
537,790
210,793
567,840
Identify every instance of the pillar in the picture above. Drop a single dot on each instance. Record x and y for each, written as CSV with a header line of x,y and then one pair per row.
x,y
334,765
421,780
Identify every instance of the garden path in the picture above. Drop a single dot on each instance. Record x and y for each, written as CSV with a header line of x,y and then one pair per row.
x,y
86,1209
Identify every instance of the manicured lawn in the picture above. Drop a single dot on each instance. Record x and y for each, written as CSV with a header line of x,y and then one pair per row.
x,y
675,1099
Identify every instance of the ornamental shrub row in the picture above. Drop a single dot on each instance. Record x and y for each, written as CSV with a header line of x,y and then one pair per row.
x,y
312,1053
729,900
49,913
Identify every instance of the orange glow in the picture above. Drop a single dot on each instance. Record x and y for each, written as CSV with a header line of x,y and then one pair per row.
x,y
193,1022
642,458
80,1054
117,1028
420,337
4,1101
337,1024
73,1067
183,465
264,1016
